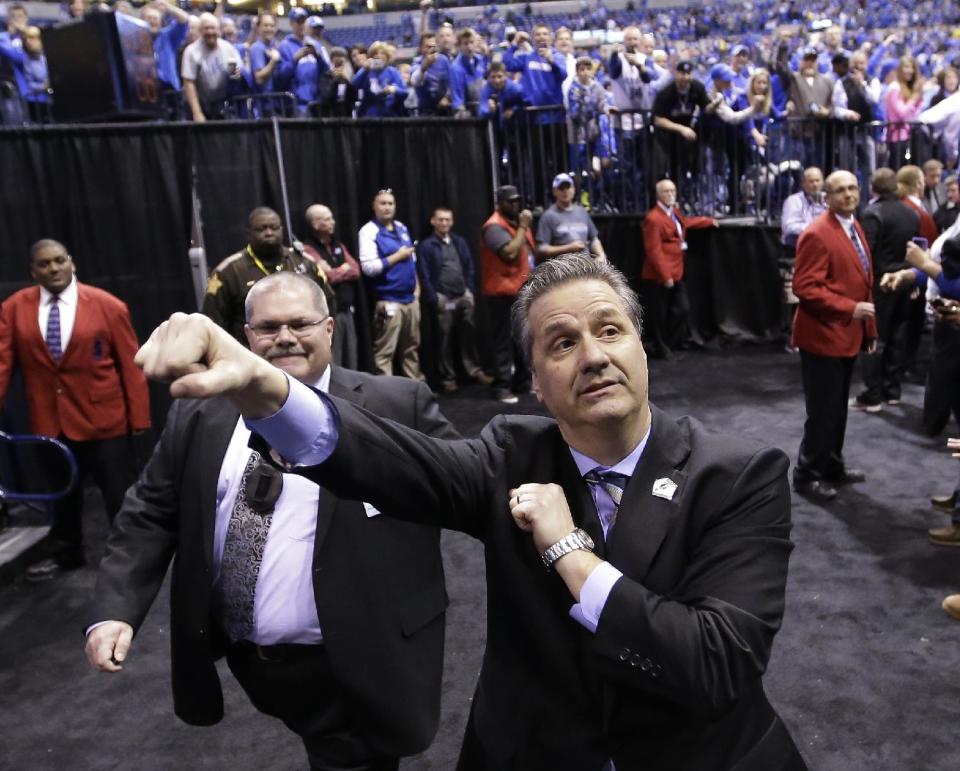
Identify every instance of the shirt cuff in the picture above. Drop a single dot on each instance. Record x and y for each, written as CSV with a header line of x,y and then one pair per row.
x,y
304,430
593,595
90,628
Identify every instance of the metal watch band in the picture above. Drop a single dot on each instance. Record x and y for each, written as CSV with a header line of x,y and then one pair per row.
x,y
578,539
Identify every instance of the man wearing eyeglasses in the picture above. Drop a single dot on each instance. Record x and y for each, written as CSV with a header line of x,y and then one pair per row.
x,y
263,255
330,615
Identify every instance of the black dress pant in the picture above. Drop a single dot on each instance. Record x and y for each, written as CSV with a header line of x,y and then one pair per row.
x,y
295,684
826,389
510,369
943,379
883,369
666,316
112,465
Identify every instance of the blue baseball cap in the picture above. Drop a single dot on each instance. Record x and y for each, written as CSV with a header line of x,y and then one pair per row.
x,y
315,21
562,179
739,49
298,14
722,72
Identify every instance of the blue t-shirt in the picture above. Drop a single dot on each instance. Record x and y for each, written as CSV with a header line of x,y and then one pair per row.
x,y
166,43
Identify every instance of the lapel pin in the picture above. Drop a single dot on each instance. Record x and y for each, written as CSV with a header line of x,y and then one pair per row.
x,y
664,488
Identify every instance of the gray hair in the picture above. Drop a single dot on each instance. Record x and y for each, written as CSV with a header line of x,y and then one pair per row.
x,y
286,280
576,266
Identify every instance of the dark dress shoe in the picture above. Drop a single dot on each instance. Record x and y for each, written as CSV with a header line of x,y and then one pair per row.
x,y
51,567
849,476
944,502
816,489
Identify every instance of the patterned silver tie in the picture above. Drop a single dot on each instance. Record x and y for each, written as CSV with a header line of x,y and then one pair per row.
x,y
614,484
242,553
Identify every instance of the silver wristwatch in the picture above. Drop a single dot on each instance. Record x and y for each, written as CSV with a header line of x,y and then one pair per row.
x,y
578,539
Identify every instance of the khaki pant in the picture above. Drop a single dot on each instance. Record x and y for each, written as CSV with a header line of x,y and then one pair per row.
x,y
397,331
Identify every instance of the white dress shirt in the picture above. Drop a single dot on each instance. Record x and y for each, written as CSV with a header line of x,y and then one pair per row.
x,y
67,302
284,607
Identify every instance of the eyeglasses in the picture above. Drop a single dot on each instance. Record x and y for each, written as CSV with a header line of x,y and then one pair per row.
x,y
298,328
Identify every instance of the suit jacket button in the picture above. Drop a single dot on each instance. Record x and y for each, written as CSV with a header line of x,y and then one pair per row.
x,y
657,670
635,660
624,654
646,665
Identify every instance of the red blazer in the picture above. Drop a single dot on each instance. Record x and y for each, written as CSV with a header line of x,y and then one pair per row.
x,y
828,279
662,244
95,391
928,228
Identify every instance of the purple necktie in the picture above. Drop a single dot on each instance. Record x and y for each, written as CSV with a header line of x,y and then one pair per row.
x,y
53,329
613,484
859,247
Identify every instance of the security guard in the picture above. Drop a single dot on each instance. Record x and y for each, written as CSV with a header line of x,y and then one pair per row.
x,y
230,281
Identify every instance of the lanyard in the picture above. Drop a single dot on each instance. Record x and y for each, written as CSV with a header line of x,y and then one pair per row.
x,y
260,264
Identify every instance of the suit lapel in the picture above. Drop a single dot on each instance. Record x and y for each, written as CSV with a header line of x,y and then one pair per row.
x,y
343,386
849,248
81,320
216,432
577,493
644,518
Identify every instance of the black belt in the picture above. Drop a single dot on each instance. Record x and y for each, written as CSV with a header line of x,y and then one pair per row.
x,y
278,652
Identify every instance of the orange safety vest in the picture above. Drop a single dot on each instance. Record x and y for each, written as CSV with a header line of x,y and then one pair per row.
x,y
502,278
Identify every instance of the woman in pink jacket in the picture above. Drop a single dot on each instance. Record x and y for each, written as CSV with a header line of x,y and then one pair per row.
x,y
903,102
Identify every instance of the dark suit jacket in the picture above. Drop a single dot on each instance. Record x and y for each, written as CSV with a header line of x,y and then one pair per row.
x,y
829,281
672,677
662,244
889,224
378,582
95,391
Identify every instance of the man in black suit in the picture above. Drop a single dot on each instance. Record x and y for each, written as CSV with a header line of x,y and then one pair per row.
x,y
645,642
888,224
329,614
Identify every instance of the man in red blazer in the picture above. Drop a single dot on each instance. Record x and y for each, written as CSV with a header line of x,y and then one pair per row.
x,y
832,278
664,296
75,347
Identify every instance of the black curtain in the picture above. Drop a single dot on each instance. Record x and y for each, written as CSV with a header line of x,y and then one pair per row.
x,y
118,197
731,272
236,171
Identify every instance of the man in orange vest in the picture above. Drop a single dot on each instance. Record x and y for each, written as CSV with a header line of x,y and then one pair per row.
x,y
507,252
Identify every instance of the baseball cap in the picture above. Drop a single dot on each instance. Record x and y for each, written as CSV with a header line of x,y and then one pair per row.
x,y
507,193
562,179
297,14
809,53
684,66
722,72
315,21
739,49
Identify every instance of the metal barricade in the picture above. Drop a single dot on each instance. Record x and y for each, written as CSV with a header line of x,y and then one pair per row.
x,y
279,104
23,453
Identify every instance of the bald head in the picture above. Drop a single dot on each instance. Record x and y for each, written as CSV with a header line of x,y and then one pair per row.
x,y
320,220
843,193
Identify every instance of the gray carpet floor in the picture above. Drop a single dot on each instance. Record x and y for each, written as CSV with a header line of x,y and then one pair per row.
x,y
864,669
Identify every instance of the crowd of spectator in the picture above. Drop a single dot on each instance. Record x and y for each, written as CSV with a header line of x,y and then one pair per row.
x,y
701,95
